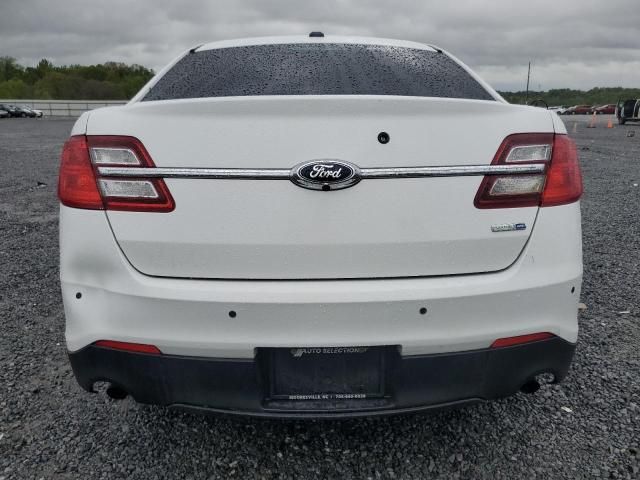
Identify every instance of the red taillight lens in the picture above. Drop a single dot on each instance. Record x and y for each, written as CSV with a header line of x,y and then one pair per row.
x,y
520,339
129,347
561,184
564,179
77,185
80,176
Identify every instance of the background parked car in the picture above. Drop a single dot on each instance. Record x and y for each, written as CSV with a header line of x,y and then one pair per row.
x,y
15,111
628,111
21,111
560,109
579,110
31,112
4,114
26,112
11,109
609,109
39,113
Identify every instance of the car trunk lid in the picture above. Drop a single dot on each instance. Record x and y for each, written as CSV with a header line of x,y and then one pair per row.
x,y
239,228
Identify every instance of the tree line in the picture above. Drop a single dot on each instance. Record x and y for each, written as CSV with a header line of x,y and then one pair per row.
x,y
568,97
107,81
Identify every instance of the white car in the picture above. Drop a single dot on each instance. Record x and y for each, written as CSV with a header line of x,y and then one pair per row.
x,y
319,226
39,113
559,110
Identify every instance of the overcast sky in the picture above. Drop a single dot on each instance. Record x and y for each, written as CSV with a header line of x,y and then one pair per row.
x,y
571,43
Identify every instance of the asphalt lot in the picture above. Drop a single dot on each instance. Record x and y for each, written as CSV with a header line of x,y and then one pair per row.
x,y
587,427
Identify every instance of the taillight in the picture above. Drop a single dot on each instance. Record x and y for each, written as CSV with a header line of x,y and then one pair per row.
x,y
82,186
561,184
564,180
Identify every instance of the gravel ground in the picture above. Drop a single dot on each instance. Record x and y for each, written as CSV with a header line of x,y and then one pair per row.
x,y
587,427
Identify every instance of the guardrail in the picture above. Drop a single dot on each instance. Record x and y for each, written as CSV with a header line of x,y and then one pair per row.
x,y
63,108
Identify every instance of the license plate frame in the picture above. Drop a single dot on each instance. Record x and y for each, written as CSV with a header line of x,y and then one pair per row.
x,y
326,373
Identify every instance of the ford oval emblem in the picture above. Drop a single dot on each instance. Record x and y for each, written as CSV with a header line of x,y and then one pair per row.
x,y
325,175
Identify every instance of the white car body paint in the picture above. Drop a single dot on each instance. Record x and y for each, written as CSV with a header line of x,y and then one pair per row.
x,y
191,317
303,268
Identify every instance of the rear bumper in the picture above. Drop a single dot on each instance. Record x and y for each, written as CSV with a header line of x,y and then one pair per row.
x,y
105,298
239,385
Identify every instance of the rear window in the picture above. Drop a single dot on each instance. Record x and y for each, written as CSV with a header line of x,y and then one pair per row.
x,y
316,69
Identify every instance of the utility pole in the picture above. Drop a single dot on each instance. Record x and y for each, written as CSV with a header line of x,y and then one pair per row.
x,y
526,98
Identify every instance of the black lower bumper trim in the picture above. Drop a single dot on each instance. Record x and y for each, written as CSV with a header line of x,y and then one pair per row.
x,y
238,386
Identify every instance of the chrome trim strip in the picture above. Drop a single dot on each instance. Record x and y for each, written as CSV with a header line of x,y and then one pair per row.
x,y
210,173
455,171
284,174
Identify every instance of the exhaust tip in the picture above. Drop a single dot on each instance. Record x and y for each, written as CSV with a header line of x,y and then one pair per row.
x,y
116,393
531,386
